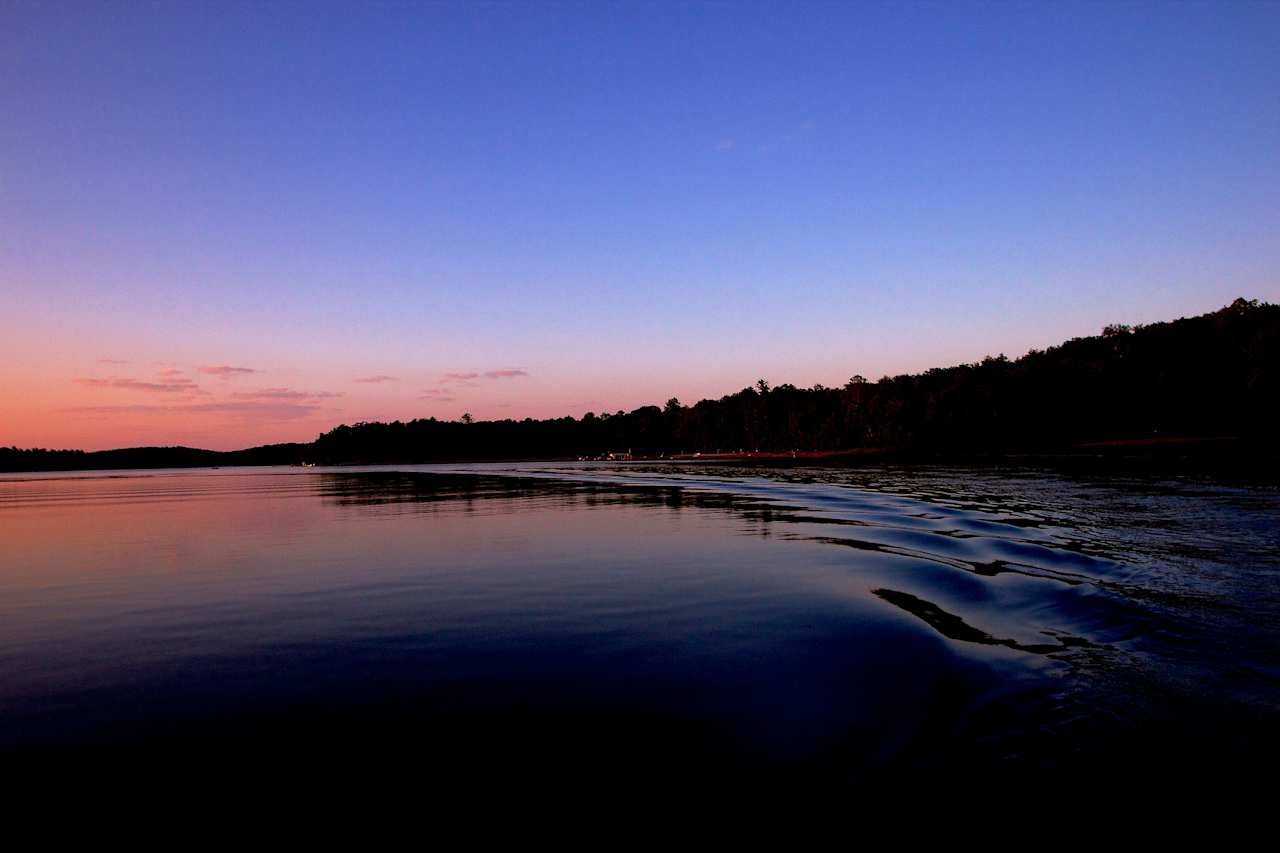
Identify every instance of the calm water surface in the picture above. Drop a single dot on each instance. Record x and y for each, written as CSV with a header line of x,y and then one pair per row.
x,y
610,624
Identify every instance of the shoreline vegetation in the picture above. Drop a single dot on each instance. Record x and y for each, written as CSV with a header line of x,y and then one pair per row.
x,y
1202,390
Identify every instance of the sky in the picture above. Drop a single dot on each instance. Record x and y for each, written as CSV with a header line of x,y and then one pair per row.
x,y
227,224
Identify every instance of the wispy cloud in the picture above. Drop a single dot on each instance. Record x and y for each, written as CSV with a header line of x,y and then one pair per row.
x,y
169,386
247,410
114,410
112,361
466,379
785,137
263,410
373,380
225,371
437,395
285,394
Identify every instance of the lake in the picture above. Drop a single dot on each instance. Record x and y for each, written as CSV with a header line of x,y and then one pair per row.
x,y
585,624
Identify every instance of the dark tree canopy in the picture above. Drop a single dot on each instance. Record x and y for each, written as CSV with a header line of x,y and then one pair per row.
x,y
1209,376
1212,375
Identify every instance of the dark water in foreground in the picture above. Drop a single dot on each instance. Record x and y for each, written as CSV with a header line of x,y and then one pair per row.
x,y
590,626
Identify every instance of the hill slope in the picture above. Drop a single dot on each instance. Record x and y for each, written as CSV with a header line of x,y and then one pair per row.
x,y
1209,376
1213,376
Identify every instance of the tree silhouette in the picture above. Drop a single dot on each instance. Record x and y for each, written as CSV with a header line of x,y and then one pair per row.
x,y
1209,376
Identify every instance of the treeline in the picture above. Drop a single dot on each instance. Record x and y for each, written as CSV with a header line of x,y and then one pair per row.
x,y
39,459
1212,376
1209,376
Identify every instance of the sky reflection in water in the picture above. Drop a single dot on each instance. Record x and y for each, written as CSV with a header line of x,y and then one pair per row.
x,y
810,625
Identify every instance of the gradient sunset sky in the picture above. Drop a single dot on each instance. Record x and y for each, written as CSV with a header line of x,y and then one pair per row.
x,y
226,224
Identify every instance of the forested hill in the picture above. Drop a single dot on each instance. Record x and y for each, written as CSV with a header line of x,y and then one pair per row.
x,y
39,459
1212,376
1216,375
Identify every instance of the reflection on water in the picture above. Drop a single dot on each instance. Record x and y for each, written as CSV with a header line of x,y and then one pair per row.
x,y
822,627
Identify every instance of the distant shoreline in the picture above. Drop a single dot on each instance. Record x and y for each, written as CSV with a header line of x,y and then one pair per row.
x,y
1193,454
1202,391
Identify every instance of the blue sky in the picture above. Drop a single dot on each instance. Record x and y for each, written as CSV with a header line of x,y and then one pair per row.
x,y
621,201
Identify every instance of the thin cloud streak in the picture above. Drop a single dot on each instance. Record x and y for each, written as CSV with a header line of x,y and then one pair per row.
x,y
260,410
285,394
225,371
466,378
173,386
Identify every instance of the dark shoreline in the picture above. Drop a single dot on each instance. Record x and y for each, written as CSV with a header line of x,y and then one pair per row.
x,y
1199,391
1229,458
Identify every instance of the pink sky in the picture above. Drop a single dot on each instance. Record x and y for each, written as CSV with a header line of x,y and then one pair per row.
x,y
103,384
